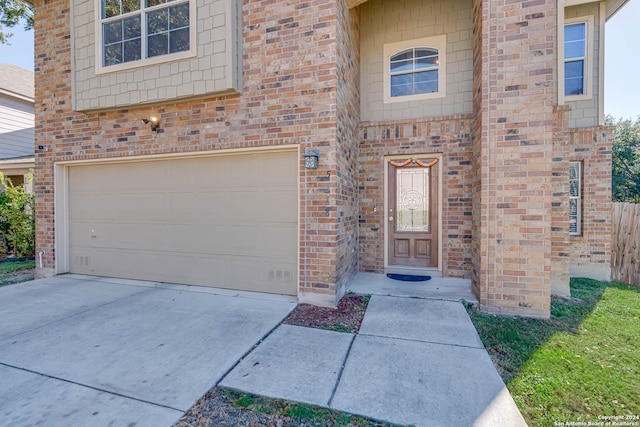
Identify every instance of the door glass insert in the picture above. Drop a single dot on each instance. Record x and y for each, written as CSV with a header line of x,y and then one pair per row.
x,y
412,199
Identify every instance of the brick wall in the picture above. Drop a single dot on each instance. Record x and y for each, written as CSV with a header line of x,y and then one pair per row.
x,y
347,150
289,97
591,252
504,165
513,147
451,136
480,106
560,247
587,255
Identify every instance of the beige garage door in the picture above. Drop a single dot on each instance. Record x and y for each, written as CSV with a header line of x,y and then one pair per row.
x,y
225,221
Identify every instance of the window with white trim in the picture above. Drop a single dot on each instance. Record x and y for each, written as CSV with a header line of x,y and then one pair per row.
x,y
575,59
575,198
415,69
134,30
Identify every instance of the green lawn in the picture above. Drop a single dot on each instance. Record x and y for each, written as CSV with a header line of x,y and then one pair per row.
x,y
11,266
10,271
581,365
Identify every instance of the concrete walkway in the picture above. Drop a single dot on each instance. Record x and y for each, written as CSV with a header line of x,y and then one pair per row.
x,y
443,288
89,351
415,361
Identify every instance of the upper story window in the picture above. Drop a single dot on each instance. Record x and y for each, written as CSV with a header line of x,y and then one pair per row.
x,y
415,69
575,56
577,67
135,30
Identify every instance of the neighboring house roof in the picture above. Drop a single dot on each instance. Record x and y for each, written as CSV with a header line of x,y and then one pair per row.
x,y
16,81
18,160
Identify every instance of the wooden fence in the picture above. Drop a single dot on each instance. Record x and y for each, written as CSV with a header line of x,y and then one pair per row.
x,y
625,245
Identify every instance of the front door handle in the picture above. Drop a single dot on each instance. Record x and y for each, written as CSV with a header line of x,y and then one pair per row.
x,y
390,218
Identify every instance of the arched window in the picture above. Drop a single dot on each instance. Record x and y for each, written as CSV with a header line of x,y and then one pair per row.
x,y
414,71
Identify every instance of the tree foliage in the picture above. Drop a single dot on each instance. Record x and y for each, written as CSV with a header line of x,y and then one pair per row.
x,y
625,160
17,219
12,13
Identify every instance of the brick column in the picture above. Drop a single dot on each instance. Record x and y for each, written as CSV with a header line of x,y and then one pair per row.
x,y
514,63
560,243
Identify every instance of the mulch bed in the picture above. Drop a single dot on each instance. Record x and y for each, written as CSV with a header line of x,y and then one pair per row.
x,y
346,318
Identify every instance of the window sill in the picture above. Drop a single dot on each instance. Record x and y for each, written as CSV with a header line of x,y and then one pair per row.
x,y
575,98
162,59
409,98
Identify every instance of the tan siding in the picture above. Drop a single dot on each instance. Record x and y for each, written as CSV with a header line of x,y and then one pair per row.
x,y
395,21
215,69
585,113
16,128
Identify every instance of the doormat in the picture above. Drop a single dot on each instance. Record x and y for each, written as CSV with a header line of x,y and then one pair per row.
x,y
408,277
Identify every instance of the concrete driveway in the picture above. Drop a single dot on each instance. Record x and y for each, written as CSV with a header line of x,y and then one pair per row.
x,y
88,351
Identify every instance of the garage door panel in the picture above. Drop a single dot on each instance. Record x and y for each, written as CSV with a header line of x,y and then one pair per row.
x,y
153,266
87,204
243,172
279,205
237,239
116,235
115,206
209,239
281,171
205,206
277,240
143,206
196,173
264,205
121,177
232,239
207,175
257,273
243,273
244,205
228,221
145,178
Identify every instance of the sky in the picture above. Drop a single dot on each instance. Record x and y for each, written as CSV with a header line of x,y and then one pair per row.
x,y
622,60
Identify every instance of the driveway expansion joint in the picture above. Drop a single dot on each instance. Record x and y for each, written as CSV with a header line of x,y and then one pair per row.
x,y
182,411
344,362
244,356
422,297
423,341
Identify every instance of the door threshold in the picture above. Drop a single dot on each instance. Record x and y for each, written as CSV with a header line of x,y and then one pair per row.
x,y
417,271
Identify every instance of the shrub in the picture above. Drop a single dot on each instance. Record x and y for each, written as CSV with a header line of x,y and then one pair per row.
x,y
17,219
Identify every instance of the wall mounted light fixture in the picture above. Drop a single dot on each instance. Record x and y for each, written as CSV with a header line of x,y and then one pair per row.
x,y
152,121
311,159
